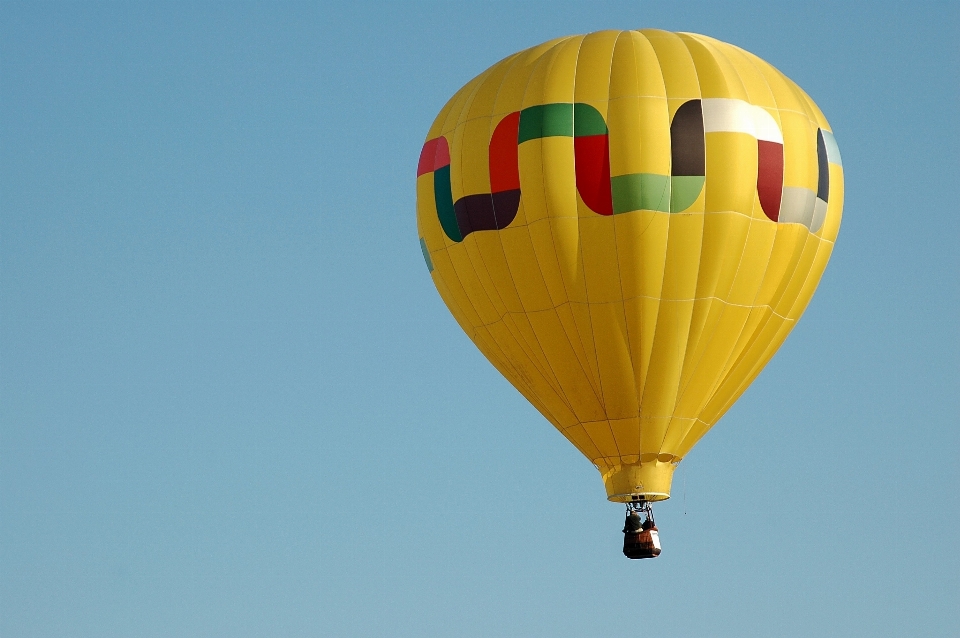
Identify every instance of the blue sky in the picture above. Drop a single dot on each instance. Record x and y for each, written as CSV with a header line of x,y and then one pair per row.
x,y
230,397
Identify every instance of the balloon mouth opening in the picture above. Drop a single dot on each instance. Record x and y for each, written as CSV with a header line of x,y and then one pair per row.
x,y
643,497
639,483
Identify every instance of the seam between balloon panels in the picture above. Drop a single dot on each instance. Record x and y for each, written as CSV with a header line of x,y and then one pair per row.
x,y
684,299
676,458
595,382
705,332
602,303
529,349
546,371
801,97
550,229
489,340
681,355
448,244
599,377
625,97
691,214
641,381
542,60
734,361
616,251
682,390
666,252
468,100
522,344
475,245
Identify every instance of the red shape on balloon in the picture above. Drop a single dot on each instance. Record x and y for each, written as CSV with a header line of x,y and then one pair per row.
x,y
435,154
592,157
504,155
770,177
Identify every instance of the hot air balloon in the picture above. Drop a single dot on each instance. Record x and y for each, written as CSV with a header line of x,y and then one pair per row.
x,y
628,224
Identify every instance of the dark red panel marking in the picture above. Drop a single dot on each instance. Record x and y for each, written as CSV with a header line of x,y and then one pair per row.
x,y
427,154
434,154
592,161
505,170
504,155
770,177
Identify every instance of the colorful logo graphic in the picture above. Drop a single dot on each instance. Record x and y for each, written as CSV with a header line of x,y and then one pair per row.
x,y
611,195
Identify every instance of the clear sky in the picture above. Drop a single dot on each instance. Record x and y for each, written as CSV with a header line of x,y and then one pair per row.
x,y
232,402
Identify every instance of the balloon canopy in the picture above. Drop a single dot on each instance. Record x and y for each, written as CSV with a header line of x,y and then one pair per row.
x,y
628,224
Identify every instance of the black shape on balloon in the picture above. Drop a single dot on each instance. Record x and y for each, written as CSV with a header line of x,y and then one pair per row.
x,y
486,211
823,182
505,206
687,151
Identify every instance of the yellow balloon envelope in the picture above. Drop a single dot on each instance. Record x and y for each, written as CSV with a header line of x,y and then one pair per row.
x,y
628,224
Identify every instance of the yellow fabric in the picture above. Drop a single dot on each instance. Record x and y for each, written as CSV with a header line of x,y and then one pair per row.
x,y
631,333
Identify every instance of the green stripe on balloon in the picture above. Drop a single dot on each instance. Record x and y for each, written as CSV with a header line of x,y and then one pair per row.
x,y
545,120
640,191
650,191
684,190
560,120
587,121
602,193
443,194
426,254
